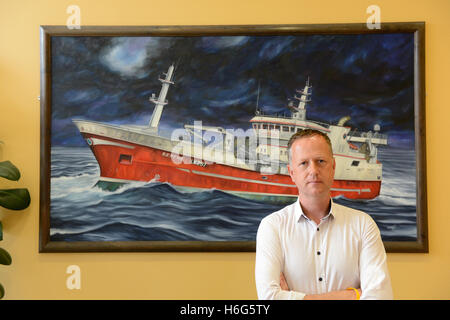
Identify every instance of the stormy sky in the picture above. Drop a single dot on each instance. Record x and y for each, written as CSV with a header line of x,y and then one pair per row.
x,y
368,77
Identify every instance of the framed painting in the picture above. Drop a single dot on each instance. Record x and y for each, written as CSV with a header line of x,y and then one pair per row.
x,y
173,138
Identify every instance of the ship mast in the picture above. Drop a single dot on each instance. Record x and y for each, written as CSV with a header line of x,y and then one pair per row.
x,y
161,101
300,110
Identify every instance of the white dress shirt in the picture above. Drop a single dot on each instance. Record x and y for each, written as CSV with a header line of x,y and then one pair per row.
x,y
344,250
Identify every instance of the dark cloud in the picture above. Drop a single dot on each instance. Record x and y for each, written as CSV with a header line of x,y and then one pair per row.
x,y
367,77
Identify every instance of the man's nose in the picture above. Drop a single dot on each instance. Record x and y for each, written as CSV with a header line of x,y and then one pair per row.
x,y
314,167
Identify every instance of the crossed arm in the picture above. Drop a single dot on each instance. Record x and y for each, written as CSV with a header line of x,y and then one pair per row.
x,y
333,295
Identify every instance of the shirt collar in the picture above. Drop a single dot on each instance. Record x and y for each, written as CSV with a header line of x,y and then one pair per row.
x,y
299,214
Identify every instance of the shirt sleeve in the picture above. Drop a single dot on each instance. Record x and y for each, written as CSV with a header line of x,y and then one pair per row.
x,y
269,264
374,273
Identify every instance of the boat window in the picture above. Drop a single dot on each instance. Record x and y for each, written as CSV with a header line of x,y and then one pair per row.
x,y
277,127
355,163
125,159
292,129
285,129
264,126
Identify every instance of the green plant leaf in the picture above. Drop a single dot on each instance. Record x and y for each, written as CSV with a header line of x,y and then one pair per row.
x,y
2,291
14,199
5,257
9,171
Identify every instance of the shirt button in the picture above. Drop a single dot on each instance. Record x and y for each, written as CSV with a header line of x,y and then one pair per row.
x,y
317,229
320,279
318,253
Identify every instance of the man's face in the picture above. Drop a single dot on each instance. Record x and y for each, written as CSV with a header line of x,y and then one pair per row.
x,y
312,166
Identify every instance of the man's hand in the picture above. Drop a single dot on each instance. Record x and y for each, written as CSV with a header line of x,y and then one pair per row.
x,y
283,282
334,295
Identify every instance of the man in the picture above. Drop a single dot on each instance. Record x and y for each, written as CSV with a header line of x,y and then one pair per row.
x,y
315,248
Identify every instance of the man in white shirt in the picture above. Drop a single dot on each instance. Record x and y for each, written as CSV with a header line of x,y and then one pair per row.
x,y
315,248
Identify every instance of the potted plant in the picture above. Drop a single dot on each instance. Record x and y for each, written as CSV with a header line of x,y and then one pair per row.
x,y
13,199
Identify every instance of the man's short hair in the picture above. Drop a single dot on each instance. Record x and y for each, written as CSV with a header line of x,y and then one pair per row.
x,y
305,133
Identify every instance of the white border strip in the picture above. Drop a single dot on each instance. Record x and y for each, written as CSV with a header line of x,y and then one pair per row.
x,y
243,179
97,142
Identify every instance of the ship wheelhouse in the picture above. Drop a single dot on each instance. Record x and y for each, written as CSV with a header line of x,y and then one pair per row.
x,y
353,150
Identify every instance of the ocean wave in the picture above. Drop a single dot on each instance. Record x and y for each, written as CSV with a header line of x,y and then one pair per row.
x,y
157,211
69,178
392,202
124,232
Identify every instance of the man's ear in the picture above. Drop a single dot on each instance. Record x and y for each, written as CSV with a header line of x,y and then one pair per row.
x,y
290,172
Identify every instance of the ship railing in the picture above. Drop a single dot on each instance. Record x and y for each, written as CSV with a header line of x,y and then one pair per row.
x,y
284,116
362,137
361,134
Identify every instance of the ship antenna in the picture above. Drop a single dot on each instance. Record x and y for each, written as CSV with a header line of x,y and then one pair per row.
x,y
257,99
177,64
175,69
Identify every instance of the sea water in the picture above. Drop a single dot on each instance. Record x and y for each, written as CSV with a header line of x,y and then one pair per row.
x,y
154,211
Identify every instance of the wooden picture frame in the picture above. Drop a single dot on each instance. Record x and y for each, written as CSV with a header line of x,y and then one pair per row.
x,y
59,85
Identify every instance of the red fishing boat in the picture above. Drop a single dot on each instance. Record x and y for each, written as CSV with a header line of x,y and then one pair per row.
x,y
251,164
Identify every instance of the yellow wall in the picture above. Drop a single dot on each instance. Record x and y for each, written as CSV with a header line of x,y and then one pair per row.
x,y
198,275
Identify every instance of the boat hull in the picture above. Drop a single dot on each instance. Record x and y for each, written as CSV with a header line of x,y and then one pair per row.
x,y
122,162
